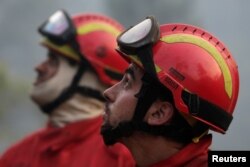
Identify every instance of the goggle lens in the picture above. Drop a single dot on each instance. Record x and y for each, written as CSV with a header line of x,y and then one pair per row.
x,y
59,28
57,24
137,33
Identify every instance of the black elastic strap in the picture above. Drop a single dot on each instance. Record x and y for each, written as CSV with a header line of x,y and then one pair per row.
x,y
125,129
68,92
145,55
65,95
199,128
90,92
146,96
205,110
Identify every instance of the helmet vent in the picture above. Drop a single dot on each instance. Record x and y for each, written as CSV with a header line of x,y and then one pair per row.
x,y
210,38
174,28
194,31
217,43
185,29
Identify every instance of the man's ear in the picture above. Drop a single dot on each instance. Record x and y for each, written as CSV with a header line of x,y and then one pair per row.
x,y
159,113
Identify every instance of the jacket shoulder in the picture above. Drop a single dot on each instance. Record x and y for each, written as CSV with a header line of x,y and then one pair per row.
x,y
21,146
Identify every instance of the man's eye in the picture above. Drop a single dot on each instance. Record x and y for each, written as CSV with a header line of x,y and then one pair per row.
x,y
125,79
54,61
126,82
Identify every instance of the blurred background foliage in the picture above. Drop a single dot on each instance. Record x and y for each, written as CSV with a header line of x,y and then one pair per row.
x,y
20,52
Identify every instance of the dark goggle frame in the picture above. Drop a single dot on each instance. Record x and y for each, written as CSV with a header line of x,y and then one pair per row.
x,y
58,28
139,40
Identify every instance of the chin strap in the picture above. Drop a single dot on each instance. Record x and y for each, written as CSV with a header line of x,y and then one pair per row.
x,y
126,129
71,90
66,94
146,96
178,129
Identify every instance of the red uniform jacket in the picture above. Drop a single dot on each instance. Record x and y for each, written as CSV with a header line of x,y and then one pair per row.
x,y
76,145
193,155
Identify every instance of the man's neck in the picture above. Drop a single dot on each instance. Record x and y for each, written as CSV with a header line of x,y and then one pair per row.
x,y
148,150
76,109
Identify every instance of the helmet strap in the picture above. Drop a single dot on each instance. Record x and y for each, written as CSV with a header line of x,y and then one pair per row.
x,y
146,96
145,54
66,94
72,89
126,129
179,129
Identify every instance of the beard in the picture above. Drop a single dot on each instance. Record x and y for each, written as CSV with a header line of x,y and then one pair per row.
x,y
112,135
47,91
108,134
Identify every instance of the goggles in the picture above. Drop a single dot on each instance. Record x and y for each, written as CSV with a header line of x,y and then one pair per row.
x,y
59,29
139,40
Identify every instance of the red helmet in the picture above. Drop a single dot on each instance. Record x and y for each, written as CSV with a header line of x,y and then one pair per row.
x,y
197,68
96,36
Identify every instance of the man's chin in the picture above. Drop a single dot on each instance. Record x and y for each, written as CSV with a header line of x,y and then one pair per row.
x,y
36,99
39,94
108,134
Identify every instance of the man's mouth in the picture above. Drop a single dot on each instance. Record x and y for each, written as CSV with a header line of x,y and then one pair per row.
x,y
37,82
39,79
106,112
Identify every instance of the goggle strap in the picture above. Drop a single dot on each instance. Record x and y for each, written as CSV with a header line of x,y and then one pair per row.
x,y
145,54
76,47
83,62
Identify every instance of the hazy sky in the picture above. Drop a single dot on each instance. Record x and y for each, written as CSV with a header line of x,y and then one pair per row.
x,y
20,52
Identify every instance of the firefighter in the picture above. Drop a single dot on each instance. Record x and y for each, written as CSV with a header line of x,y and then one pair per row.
x,y
181,83
81,62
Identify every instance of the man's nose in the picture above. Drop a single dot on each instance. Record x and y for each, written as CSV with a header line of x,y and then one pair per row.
x,y
40,67
109,94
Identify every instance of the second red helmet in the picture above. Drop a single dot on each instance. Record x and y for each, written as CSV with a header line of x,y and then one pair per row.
x,y
96,37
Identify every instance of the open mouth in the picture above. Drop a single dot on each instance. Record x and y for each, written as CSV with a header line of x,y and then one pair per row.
x,y
106,112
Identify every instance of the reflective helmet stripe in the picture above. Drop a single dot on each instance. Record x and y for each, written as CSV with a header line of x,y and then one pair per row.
x,y
85,29
91,27
66,50
135,59
211,49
